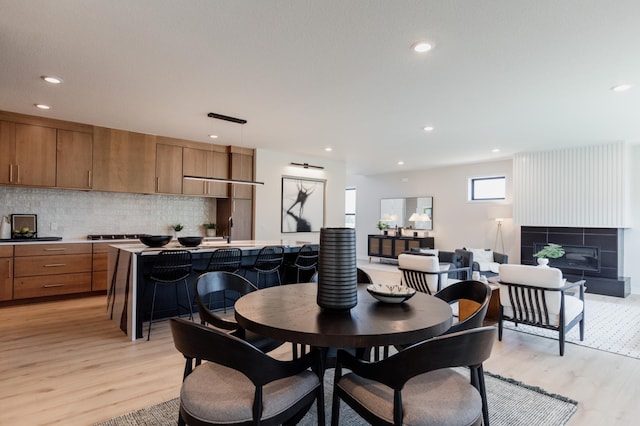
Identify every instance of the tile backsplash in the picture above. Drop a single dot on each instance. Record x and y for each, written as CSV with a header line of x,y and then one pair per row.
x,y
76,214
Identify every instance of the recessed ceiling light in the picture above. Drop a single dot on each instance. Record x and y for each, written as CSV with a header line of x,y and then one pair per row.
x,y
421,46
428,128
400,163
213,136
51,79
328,149
622,87
43,106
495,150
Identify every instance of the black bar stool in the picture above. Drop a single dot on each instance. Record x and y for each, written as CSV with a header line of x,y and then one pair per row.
x,y
169,268
268,261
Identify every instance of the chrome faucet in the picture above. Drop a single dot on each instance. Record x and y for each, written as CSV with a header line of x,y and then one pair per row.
x,y
229,226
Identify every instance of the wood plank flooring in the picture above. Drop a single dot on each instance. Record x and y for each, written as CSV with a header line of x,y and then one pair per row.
x,y
66,363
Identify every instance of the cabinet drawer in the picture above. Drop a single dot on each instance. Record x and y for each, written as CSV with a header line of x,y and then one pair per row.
x,y
51,265
6,251
99,281
101,247
52,249
24,288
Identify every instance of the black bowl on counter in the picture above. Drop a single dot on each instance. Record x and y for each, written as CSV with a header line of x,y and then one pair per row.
x,y
155,240
190,241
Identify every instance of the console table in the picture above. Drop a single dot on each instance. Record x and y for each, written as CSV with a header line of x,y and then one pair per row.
x,y
389,247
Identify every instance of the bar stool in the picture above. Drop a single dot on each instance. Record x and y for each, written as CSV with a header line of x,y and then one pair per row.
x,y
169,268
306,260
224,259
268,261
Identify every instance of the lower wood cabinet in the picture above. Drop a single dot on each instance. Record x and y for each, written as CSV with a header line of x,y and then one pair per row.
x,y
391,247
42,270
6,273
100,266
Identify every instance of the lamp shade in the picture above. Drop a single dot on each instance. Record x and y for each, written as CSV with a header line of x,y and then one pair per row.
x,y
500,212
414,217
424,218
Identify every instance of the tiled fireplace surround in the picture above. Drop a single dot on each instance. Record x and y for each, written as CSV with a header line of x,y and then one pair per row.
x,y
607,280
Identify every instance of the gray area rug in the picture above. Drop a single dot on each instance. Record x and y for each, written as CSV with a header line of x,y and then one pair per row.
x,y
607,326
510,403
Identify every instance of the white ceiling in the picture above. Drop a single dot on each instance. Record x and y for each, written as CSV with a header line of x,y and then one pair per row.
x,y
515,75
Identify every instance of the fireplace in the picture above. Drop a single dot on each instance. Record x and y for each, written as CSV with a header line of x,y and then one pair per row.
x,y
577,258
592,254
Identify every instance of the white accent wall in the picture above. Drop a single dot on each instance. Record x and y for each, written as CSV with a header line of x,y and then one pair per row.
x,y
577,187
271,166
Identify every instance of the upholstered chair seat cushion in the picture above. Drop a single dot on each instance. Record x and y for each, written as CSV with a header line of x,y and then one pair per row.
x,y
211,393
452,399
540,277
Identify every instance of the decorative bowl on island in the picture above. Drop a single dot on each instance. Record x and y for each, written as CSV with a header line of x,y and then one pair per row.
x,y
391,293
190,241
155,240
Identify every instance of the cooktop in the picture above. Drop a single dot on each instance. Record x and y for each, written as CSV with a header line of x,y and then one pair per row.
x,y
114,236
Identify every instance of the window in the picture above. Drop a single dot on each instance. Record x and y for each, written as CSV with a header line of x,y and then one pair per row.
x,y
350,208
487,188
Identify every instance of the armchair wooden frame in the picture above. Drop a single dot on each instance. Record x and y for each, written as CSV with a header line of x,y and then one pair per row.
x,y
529,307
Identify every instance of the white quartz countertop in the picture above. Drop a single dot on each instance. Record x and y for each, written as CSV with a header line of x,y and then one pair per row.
x,y
208,245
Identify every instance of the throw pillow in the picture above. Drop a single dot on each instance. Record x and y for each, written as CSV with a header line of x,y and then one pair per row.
x,y
432,252
482,255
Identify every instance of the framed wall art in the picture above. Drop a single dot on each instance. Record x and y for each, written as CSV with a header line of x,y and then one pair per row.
x,y
302,204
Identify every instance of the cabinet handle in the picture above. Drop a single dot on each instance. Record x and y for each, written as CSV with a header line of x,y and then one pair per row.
x,y
157,184
52,285
11,173
18,172
90,178
55,249
55,265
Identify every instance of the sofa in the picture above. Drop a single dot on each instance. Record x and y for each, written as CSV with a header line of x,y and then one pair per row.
x,y
461,261
486,261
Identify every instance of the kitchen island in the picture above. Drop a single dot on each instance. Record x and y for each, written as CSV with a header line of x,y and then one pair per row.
x,y
130,263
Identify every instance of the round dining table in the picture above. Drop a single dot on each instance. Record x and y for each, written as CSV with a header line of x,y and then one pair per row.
x,y
291,313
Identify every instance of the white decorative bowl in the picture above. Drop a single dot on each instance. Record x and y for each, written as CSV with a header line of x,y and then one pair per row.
x,y
390,293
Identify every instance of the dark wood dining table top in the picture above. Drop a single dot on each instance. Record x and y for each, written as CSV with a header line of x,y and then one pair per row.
x,y
290,313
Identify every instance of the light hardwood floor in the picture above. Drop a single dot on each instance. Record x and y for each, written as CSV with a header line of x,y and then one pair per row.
x,y
65,363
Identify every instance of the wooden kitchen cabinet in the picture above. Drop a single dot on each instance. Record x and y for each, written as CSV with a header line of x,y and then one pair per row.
x,y
51,269
205,163
74,162
6,273
168,169
100,266
28,154
124,161
241,169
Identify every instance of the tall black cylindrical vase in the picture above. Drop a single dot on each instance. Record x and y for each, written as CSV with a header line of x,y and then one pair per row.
x,y
337,269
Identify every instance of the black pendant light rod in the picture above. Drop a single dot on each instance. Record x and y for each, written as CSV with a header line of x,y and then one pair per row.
x,y
227,118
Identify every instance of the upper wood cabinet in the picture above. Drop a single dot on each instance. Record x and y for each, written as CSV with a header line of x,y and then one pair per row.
x,y
168,169
74,165
205,163
124,161
242,169
28,154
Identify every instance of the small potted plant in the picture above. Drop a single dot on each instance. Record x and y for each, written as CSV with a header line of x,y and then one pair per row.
x,y
550,251
176,229
210,229
383,226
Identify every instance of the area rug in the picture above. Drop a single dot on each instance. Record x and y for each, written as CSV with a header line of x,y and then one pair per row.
x,y
510,403
610,326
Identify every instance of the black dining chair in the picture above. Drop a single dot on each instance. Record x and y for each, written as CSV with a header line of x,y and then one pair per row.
x,y
169,268
418,385
214,287
241,385
268,261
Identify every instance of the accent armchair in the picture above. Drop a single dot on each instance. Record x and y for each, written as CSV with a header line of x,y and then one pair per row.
x,y
538,296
